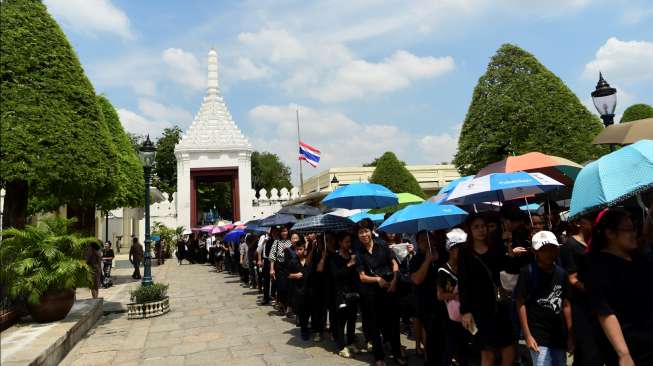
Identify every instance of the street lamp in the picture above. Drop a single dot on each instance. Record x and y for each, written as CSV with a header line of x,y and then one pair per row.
x,y
605,100
334,183
147,152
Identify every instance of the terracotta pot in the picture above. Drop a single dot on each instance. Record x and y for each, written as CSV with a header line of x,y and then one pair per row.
x,y
52,307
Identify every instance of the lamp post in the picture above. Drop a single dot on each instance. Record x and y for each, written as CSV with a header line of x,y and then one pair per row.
x,y
334,183
2,210
147,152
605,101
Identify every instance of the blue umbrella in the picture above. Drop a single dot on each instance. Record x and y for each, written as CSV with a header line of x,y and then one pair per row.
x,y
278,219
501,187
234,235
376,218
361,195
613,178
443,194
424,216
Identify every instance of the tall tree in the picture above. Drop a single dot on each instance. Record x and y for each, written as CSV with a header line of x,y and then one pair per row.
x,y
55,145
165,169
268,172
375,162
390,172
519,106
130,170
636,112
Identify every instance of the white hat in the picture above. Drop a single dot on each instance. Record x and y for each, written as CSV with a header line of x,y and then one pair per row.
x,y
543,238
455,237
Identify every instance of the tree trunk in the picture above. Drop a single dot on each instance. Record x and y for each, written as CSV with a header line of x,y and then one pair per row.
x,y
85,219
15,208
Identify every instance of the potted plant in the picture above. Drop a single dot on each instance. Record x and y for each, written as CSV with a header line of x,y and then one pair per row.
x,y
44,264
148,301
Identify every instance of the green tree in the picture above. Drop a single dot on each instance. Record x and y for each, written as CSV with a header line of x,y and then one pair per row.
x,y
519,106
130,171
135,140
375,162
390,172
165,169
55,145
268,172
636,112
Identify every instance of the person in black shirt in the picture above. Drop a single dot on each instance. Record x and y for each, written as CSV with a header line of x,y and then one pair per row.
x,y
378,269
543,304
430,311
297,269
621,291
342,271
574,260
482,303
457,337
265,272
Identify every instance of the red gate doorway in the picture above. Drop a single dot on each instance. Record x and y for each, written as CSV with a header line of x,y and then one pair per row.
x,y
212,175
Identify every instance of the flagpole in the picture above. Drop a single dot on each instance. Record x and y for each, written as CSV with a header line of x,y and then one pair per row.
x,y
301,173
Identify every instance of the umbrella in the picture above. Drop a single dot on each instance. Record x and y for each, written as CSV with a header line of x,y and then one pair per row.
x,y
626,133
234,235
343,212
278,219
187,232
218,230
323,223
613,178
501,187
207,228
425,216
376,218
254,226
444,192
532,207
301,209
360,195
558,168
405,199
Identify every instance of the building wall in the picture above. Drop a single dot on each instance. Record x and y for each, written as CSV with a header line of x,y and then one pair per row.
x,y
430,177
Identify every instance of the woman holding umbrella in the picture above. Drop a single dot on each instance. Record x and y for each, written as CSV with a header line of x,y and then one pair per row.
x,y
378,271
484,306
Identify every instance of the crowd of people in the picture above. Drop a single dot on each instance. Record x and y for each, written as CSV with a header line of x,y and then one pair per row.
x,y
467,294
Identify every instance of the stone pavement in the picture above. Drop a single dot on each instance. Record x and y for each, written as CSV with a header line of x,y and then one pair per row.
x,y
213,321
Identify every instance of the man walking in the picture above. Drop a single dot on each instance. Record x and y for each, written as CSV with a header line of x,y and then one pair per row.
x,y
136,257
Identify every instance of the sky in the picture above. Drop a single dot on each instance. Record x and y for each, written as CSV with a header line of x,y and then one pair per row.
x,y
367,76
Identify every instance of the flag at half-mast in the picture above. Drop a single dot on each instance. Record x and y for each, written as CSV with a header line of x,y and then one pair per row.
x,y
309,154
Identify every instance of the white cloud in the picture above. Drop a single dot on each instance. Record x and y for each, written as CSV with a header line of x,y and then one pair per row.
x,y
634,16
360,78
343,141
245,69
276,45
185,68
622,61
91,16
136,123
162,112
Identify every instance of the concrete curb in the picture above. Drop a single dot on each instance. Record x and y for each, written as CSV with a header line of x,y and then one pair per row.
x,y
48,344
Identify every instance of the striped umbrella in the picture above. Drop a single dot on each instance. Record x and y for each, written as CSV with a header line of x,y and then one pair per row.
x,y
323,223
560,169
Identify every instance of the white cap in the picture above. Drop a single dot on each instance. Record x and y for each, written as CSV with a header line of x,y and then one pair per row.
x,y
455,237
543,238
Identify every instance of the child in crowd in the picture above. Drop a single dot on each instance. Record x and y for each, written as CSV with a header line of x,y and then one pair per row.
x,y
543,304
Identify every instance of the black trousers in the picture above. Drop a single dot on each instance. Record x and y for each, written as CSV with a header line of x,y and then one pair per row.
x,y
457,341
344,318
587,349
137,270
381,316
435,339
318,305
265,280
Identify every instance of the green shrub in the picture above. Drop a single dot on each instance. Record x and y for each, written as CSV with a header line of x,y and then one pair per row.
x,y
154,292
44,258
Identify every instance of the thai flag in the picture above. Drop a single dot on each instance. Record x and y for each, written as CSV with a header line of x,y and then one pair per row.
x,y
309,154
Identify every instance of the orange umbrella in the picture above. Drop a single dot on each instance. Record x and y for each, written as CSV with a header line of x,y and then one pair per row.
x,y
560,169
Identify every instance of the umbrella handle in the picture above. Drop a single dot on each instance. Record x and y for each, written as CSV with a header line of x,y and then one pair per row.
x,y
529,211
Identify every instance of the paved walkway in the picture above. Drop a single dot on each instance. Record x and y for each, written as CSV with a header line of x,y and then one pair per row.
x,y
213,321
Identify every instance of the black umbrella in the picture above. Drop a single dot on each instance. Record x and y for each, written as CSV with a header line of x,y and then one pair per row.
x,y
278,219
301,209
323,223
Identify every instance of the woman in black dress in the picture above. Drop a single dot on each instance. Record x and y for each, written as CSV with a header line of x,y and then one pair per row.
x,y
297,269
483,305
342,272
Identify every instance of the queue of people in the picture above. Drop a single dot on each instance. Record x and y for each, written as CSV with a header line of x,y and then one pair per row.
x,y
471,294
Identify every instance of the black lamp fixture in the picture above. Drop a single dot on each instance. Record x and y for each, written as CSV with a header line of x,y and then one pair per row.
x,y
147,153
605,100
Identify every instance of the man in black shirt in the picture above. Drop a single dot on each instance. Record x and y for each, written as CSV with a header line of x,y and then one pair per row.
x,y
543,303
